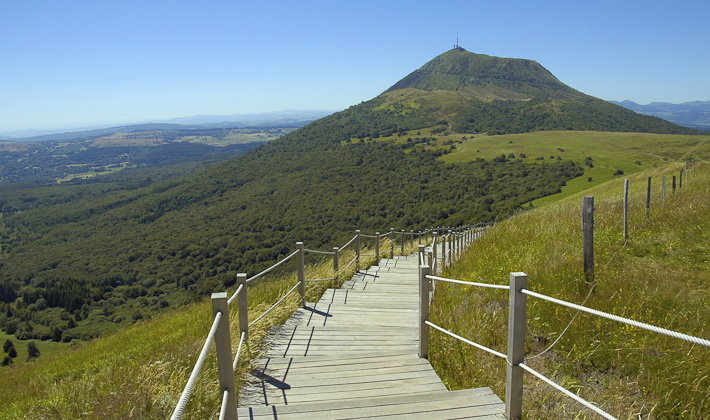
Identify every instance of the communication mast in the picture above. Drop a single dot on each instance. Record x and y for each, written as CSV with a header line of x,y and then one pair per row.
x,y
457,46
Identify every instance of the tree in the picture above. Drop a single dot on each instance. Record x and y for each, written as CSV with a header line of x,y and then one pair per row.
x,y
12,352
6,361
32,351
8,344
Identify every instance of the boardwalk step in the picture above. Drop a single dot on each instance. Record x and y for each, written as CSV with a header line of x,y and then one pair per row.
x,y
478,403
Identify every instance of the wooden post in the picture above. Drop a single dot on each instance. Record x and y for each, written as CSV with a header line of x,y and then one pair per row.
x,y
392,241
626,209
301,273
377,248
411,237
404,235
451,248
243,306
357,250
588,236
648,198
419,237
335,261
516,346
424,271
674,184
223,345
663,197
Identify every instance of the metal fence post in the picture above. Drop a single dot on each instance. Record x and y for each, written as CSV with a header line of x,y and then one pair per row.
x,y
377,248
648,198
588,236
626,208
223,344
301,273
516,346
243,306
424,271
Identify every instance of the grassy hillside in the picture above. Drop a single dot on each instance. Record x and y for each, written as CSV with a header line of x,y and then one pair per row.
x,y
629,152
139,372
661,276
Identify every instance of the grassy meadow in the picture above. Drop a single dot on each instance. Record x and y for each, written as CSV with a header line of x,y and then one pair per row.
x,y
660,276
139,372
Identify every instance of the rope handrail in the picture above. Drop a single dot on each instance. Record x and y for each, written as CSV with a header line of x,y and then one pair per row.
x,y
349,264
272,267
349,242
180,408
239,350
319,252
566,392
470,283
384,234
469,342
362,235
274,305
234,296
637,324
225,401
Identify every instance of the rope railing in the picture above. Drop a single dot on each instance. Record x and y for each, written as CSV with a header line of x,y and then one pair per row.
x,y
319,252
239,351
220,333
225,402
627,321
272,267
180,408
236,293
470,283
469,342
567,392
349,242
274,305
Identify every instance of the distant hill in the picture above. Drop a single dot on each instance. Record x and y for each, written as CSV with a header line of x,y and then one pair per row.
x,y
290,118
110,252
689,114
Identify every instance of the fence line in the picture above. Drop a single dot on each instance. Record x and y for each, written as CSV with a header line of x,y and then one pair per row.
x,y
272,267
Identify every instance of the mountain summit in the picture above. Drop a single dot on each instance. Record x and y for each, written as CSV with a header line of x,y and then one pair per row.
x,y
486,77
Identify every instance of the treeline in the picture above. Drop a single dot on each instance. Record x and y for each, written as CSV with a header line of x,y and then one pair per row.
x,y
75,268
544,114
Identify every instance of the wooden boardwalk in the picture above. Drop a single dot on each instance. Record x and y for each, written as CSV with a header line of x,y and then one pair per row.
x,y
353,355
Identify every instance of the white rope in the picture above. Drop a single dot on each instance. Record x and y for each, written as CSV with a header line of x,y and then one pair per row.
x,y
177,414
368,236
234,296
349,242
239,350
471,283
568,393
225,401
274,305
351,263
458,337
272,267
637,324
319,252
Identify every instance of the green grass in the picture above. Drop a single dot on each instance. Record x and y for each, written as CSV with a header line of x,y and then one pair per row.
x,y
661,276
139,372
609,151
46,348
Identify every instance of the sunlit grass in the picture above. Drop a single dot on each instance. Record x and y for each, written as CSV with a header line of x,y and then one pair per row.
x,y
140,372
660,277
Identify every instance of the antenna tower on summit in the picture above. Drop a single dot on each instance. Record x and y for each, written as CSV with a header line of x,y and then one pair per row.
x,y
457,46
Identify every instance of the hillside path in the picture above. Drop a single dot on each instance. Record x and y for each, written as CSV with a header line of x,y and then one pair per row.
x,y
353,355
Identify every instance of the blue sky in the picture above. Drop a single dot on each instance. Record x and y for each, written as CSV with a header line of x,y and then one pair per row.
x,y
81,63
